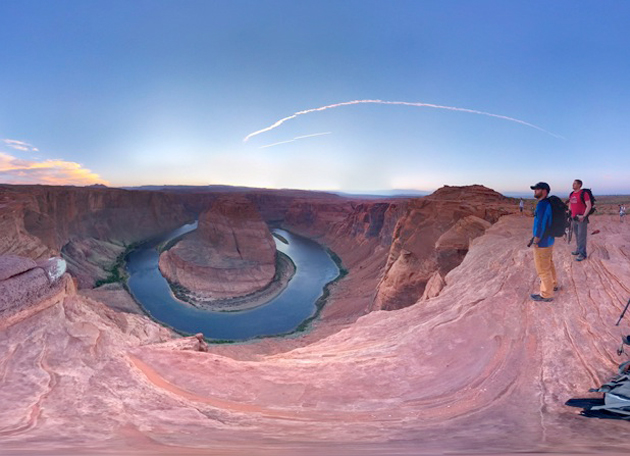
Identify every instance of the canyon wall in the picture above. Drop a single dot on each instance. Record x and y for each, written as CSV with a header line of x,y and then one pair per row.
x,y
396,246
90,226
473,359
432,238
476,363
399,250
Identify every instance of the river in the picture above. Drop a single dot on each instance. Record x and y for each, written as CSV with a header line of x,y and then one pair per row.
x,y
297,303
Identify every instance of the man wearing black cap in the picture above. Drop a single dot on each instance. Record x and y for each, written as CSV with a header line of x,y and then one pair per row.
x,y
543,244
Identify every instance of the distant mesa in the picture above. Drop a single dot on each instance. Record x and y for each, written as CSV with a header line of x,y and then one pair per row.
x,y
232,253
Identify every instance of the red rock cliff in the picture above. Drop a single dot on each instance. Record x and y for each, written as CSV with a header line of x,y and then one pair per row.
x,y
90,226
432,238
232,253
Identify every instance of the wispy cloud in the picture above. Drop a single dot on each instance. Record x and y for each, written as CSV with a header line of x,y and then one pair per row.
x,y
297,138
20,145
404,103
51,172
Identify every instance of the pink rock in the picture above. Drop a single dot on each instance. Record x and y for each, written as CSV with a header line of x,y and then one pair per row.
x,y
232,253
11,265
434,235
25,285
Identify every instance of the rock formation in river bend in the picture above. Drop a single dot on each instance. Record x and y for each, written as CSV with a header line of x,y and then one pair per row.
x,y
232,253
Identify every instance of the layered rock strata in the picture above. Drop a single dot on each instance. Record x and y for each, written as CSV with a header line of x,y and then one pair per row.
x,y
232,253
90,227
476,363
27,286
360,232
432,238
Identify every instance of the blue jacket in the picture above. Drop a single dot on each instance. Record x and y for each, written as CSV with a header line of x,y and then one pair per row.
x,y
542,221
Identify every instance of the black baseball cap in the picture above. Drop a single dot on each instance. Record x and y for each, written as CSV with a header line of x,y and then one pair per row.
x,y
542,186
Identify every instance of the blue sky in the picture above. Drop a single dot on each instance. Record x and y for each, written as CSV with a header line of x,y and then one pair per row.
x,y
164,92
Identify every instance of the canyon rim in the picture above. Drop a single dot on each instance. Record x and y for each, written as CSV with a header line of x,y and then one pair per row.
x,y
427,345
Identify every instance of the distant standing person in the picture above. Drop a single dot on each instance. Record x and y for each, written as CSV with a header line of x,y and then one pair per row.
x,y
622,212
543,244
521,206
580,205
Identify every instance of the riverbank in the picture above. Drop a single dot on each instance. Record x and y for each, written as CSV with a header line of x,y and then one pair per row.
x,y
285,270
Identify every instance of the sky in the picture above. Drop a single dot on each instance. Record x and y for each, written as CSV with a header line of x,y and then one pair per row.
x,y
413,94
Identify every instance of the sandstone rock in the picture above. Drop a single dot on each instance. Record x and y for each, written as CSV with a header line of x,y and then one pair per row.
x,y
26,287
91,260
40,221
457,374
15,239
452,246
115,296
232,253
360,233
433,287
468,193
432,236
11,265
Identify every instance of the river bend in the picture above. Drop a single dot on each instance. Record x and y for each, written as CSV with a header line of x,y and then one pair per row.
x,y
296,303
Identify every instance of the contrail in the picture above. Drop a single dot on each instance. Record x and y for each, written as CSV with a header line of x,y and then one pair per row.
x,y
404,103
295,139
313,135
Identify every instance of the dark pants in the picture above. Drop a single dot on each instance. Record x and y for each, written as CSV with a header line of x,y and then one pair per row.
x,y
580,229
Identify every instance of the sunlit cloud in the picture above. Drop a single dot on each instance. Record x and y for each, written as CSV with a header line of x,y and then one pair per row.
x,y
403,103
297,138
20,145
50,172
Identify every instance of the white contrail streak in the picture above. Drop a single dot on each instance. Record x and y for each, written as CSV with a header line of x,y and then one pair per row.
x,y
404,103
295,139
313,135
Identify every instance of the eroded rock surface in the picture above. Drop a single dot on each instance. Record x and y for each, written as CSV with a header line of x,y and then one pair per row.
x,y
90,227
471,365
434,236
232,252
27,286
476,363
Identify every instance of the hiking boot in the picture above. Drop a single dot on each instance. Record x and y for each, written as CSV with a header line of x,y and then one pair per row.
x,y
537,297
580,258
575,253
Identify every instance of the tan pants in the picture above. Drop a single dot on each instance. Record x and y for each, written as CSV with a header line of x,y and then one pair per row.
x,y
543,259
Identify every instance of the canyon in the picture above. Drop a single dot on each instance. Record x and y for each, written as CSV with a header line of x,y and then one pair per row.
x,y
429,343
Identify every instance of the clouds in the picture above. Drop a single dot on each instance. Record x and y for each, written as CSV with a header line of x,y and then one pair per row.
x,y
14,170
20,145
